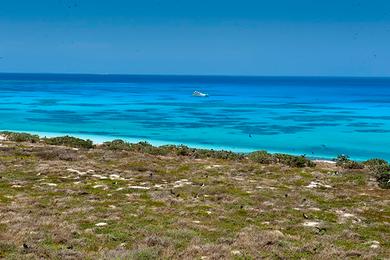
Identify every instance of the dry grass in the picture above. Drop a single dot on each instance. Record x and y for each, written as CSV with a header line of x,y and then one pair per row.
x,y
173,207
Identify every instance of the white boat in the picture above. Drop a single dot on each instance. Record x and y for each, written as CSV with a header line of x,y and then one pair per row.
x,y
199,94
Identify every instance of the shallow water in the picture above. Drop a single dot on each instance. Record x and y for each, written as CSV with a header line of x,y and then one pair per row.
x,y
319,117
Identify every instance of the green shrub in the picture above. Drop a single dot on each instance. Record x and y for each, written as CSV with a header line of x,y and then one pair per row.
x,y
69,141
262,157
353,165
384,180
141,147
183,150
145,147
294,161
117,145
377,166
344,162
174,150
21,137
342,159
225,155
381,170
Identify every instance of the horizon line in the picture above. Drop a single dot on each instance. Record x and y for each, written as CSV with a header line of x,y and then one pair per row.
x,y
192,75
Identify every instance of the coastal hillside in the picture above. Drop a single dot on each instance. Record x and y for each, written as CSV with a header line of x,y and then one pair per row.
x,y
67,198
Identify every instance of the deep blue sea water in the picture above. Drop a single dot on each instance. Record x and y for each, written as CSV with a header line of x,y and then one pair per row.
x,y
319,117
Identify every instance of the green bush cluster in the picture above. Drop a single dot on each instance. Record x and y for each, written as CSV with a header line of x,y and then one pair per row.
x,y
145,147
179,150
384,180
182,150
381,170
142,147
294,161
117,145
20,137
344,162
226,155
264,157
69,141
377,166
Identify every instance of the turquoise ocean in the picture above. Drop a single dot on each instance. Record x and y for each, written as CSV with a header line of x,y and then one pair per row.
x,y
318,117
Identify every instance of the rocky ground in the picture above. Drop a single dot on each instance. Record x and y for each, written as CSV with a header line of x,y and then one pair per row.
x,y
71,203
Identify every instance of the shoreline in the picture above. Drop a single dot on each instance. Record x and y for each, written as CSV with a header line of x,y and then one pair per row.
x,y
99,140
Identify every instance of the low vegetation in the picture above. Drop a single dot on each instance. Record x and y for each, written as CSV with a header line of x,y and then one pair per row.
x,y
69,141
381,170
173,150
62,140
65,199
344,162
264,157
20,137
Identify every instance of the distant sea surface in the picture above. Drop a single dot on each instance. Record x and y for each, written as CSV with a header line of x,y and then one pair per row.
x,y
319,117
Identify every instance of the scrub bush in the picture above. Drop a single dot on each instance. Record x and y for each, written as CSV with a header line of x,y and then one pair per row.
x,y
294,161
262,157
344,162
21,137
69,141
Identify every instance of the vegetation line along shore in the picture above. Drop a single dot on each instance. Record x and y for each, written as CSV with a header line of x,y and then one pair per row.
x,y
66,198
377,166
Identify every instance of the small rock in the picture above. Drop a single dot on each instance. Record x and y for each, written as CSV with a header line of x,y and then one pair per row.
x,y
99,176
76,171
311,224
101,224
374,244
236,252
139,187
98,186
114,177
315,184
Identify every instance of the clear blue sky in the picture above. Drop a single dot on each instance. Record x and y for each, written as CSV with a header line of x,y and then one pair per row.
x,y
224,37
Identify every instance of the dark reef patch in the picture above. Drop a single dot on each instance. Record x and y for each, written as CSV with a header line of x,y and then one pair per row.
x,y
372,131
